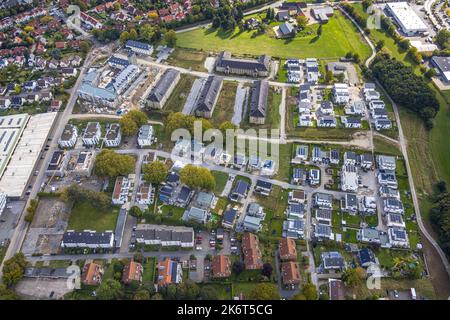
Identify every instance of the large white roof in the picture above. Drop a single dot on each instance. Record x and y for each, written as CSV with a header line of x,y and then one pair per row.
x,y
407,18
26,153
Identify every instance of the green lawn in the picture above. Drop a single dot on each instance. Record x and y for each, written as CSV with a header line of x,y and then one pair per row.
x,y
339,36
149,270
179,95
224,109
188,59
86,216
221,180
384,146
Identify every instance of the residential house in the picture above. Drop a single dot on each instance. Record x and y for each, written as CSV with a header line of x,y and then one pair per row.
x,y
251,251
350,203
57,164
388,178
335,157
145,136
247,67
299,176
312,70
290,274
336,289
229,218
295,211
323,216
163,89
220,267
351,122
366,258
393,205
296,197
395,220
113,136
314,177
88,239
132,272
323,200
139,47
301,153
165,236
258,102
263,187
252,223
294,228
208,97
323,231
349,178
91,135
366,161
398,237
350,158
287,249
332,261
122,187
92,274
326,122
69,137
341,93
196,214
239,191
382,124
169,272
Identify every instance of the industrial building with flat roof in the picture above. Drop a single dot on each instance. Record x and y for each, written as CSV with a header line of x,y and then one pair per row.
x,y
26,153
407,19
11,128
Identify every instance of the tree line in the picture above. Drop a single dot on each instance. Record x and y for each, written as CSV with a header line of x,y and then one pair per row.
x,y
405,87
440,216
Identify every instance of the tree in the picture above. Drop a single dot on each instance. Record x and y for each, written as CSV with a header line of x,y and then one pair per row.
x,y
131,122
379,45
124,37
238,267
7,294
430,73
111,164
310,291
267,270
208,293
224,126
136,212
264,291
133,34
128,126
13,269
147,32
197,177
443,38
155,172
188,290
302,21
157,296
352,277
170,37
109,289
328,76
142,295
298,296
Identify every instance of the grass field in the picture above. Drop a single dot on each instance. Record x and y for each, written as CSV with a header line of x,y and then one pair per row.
x,y
179,95
188,59
339,36
221,180
384,146
224,109
85,216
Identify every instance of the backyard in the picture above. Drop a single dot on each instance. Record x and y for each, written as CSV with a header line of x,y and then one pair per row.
x,y
339,36
224,109
188,59
179,95
85,216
